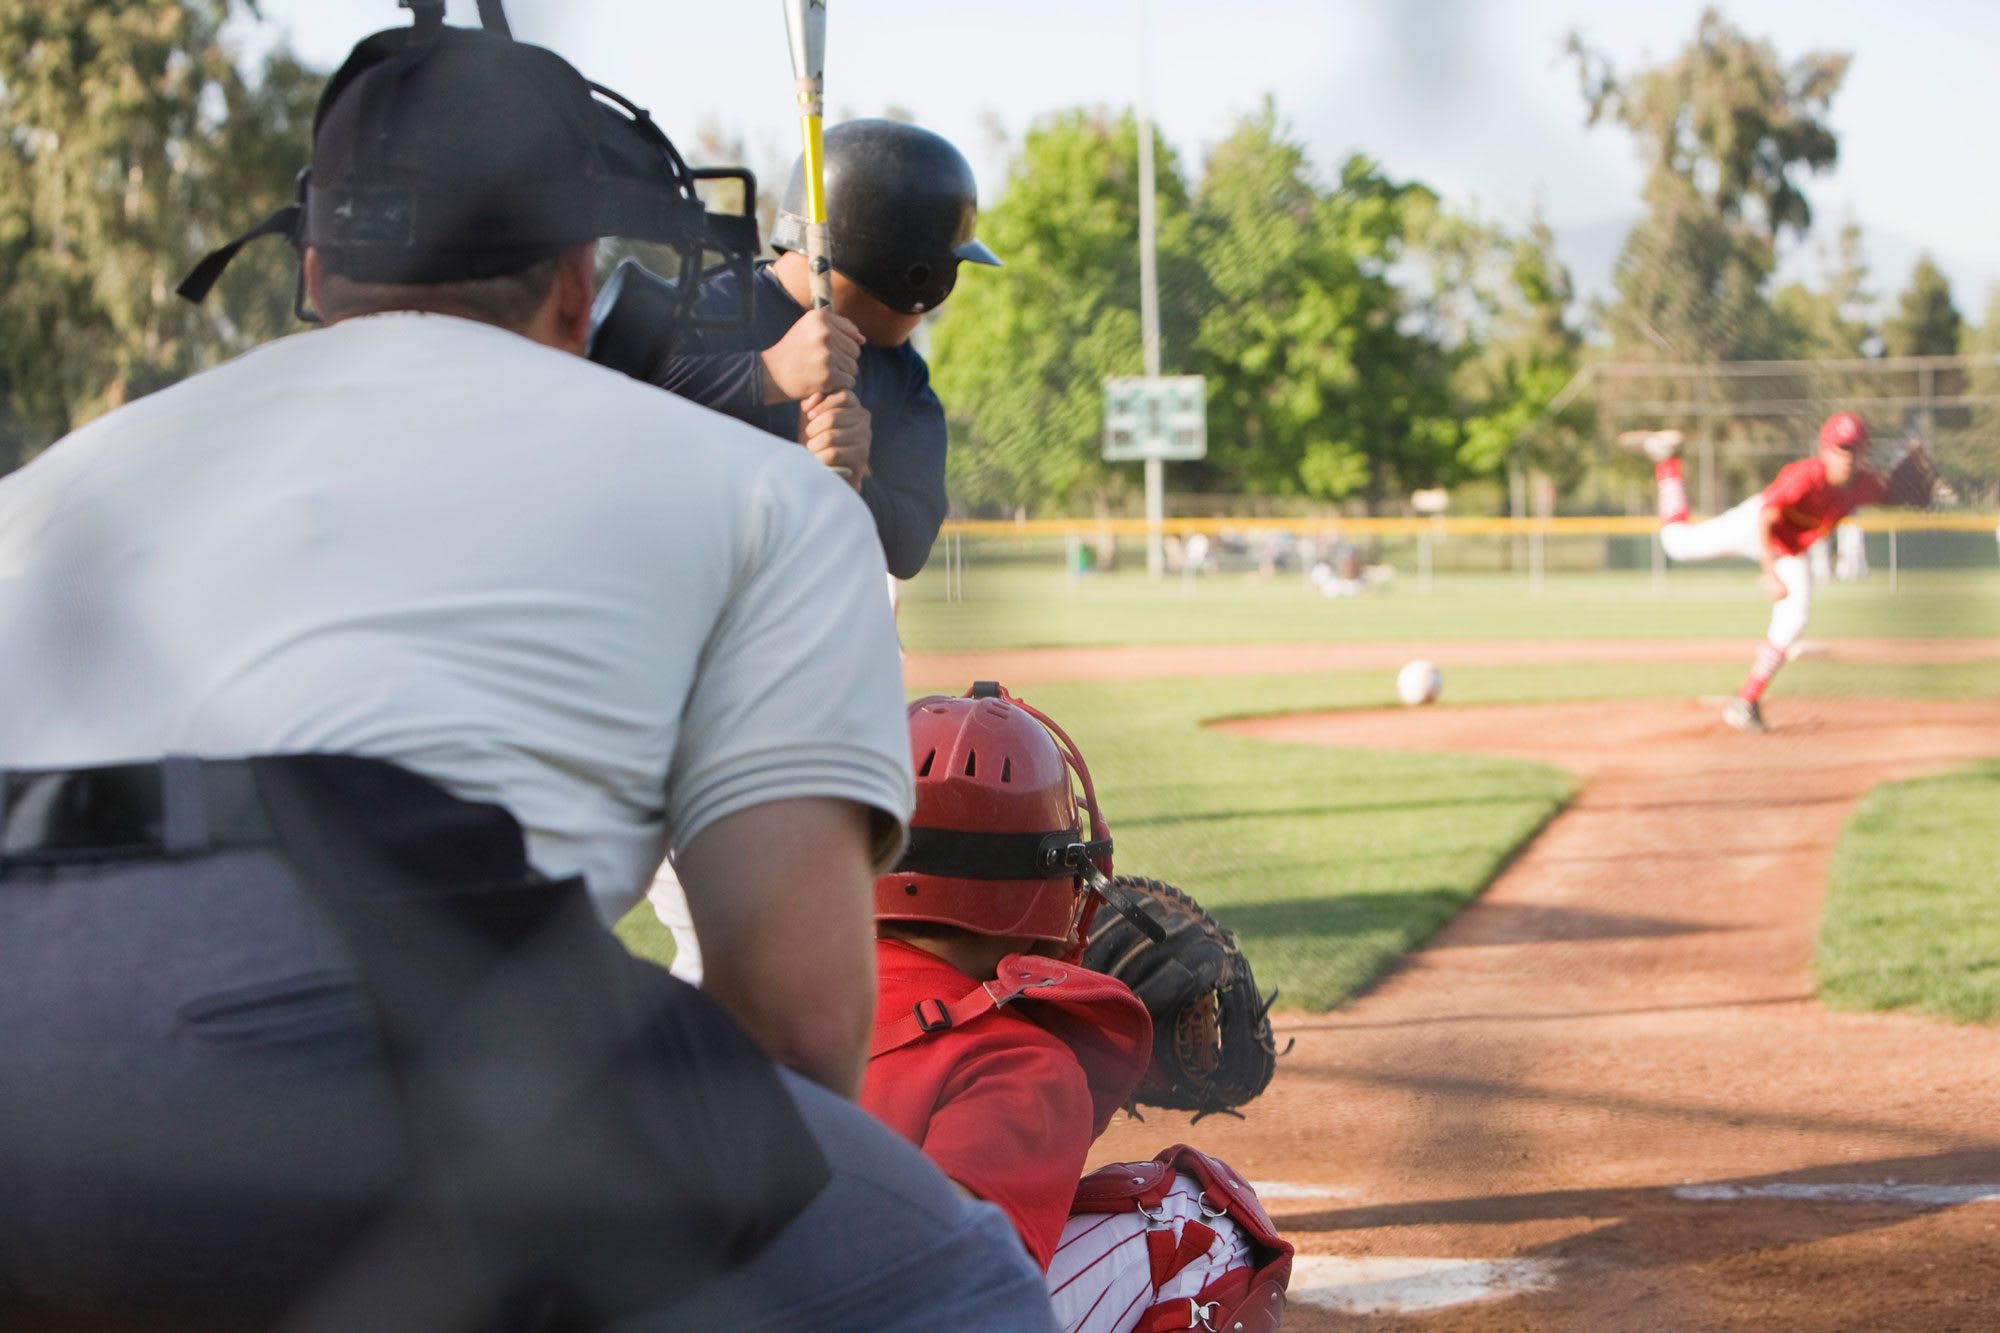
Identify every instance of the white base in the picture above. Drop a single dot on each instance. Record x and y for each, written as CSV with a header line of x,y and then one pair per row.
x,y
1379,1285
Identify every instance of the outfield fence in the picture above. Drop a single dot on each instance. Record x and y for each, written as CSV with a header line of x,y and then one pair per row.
x,y
1355,554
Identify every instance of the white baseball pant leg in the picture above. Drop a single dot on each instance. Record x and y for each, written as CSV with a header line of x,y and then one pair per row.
x,y
670,905
1735,533
1788,615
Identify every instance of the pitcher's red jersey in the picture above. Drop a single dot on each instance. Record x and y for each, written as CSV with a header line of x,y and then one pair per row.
x,y
1809,508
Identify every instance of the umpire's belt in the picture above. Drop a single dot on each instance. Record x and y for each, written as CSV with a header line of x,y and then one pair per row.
x,y
178,806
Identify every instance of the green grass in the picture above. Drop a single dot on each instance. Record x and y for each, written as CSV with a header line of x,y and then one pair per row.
x,y
645,936
1332,864
1329,864
1912,917
1016,604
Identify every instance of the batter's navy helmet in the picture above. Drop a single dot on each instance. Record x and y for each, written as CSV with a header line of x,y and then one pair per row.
x,y
900,209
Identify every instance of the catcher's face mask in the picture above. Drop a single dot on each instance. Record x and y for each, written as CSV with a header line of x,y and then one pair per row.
x,y
997,844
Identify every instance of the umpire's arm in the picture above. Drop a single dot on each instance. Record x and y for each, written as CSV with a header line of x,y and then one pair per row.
x,y
791,777
794,968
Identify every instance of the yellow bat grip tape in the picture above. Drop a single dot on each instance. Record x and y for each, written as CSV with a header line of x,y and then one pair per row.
x,y
809,127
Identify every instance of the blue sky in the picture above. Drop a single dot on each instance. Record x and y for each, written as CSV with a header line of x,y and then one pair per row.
x,y
1470,96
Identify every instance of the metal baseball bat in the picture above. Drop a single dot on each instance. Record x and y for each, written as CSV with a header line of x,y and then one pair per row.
x,y
805,31
805,28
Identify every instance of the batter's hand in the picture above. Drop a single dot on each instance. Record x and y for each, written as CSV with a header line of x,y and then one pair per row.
x,y
817,355
839,431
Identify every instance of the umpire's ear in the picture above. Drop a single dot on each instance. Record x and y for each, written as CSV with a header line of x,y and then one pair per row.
x,y
567,308
313,272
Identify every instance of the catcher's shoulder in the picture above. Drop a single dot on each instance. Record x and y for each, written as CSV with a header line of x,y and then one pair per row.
x,y
1023,976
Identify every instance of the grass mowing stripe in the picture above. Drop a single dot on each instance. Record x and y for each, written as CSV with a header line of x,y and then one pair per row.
x,y
1017,606
1912,918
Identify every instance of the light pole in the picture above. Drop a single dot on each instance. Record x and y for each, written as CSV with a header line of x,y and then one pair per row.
x,y
1149,293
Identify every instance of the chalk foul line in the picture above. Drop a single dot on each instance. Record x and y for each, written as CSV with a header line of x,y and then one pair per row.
x,y
1889,1191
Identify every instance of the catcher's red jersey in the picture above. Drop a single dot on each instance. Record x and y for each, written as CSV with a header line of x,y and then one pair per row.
x,y
1809,508
1000,1103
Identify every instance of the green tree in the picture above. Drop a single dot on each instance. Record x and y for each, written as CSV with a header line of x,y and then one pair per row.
x,y
1833,321
1726,129
1970,458
1520,356
1327,376
1315,386
1020,353
1926,322
131,141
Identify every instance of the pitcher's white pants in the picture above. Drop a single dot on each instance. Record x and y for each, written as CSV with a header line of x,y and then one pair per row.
x,y
1736,533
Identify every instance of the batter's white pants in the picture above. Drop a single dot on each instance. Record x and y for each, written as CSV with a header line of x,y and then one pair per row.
x,y
1736,533
670,905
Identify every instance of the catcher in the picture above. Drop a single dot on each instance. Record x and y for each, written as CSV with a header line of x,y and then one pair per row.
x,y
1777,526
1003,1058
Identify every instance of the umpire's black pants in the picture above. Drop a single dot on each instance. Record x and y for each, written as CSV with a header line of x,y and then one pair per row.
x,y
371,1072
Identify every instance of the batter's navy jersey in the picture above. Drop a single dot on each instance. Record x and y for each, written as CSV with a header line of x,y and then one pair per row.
x,y
904,489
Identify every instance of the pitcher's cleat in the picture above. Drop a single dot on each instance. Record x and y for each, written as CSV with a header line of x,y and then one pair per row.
x,y
1658,445
1744,716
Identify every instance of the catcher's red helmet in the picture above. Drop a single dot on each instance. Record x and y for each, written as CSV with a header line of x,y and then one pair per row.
x,y
997,845
1844,430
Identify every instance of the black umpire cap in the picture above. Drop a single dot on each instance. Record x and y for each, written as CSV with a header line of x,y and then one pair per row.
x,y
442,154
459,154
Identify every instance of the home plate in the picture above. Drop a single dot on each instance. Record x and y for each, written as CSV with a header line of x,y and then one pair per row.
x,y
1892,1192
1268,1190
1380,1285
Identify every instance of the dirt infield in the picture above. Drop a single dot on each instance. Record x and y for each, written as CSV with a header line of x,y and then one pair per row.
x,y
1610,1074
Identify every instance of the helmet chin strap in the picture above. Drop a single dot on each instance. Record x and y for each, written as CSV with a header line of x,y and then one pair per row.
x,y
1126,903
429,15
493,17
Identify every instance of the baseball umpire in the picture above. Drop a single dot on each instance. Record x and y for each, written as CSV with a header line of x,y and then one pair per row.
x,y
350,688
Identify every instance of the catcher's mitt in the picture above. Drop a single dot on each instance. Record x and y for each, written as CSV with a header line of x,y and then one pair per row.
x,y
1914,480
1212,1043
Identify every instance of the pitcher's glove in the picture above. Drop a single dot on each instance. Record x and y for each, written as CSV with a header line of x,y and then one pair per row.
x,y
1914,481
1212,1044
